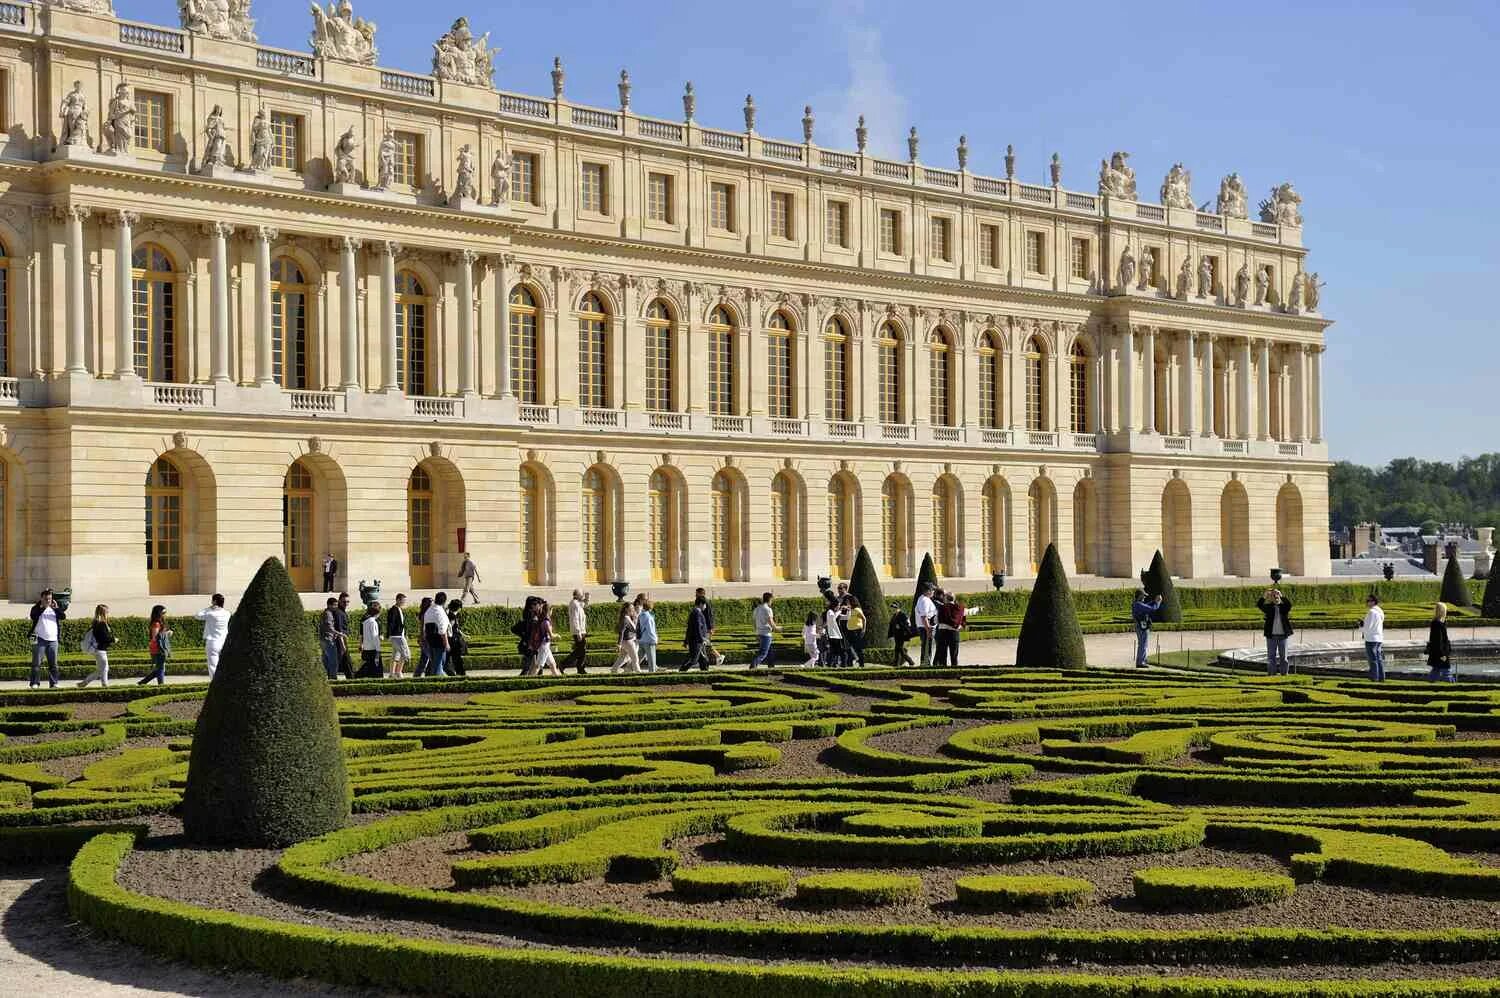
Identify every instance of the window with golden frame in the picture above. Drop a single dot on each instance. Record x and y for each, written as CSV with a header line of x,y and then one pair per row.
x,y
408,167
664,501
659,371
1036,385
721,337
5,366
1080,259
989,381
593,353
781,214
419,527
525,319
1078,377
411,333
154,313
291,354
721,207
836,371
286,141
164,527
523,179
593,196
892,381
532,517
779,370
940,367
659,197
153,120
297,519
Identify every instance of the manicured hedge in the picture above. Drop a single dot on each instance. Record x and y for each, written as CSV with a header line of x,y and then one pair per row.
x,y
1208,888
858,890
1014,893
717,883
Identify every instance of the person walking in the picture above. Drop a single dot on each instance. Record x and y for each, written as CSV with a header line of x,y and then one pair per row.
x,y
458,640
159,645
215,631
646,638
424,655
522,631
370,666
578,624
46,625
395,629
696,637
854,632
950,621
330,571
328,634
899,631
925,613
765,629
1439,648
1278,612
469,572
1141,609
833,637
98,641
709,651
341,622
1372,630
627,648
810,640
435,632
546,661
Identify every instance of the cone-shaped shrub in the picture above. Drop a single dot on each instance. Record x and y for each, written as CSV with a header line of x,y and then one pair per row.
x,y
1491,604
1157,581
926,574
1050,635
1455,589
864,585
267,766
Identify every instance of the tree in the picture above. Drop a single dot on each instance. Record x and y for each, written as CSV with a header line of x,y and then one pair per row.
x,y
1157,581
1490,607
1455,589
864,585
926,575
1050,635
267,763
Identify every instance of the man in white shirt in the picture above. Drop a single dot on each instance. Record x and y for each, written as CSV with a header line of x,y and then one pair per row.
x,y
833,657
578,623
765,629
1372,629
46,619
435,630
215,630
925,613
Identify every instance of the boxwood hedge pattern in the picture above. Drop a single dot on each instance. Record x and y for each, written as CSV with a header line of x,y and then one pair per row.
x,y
934,783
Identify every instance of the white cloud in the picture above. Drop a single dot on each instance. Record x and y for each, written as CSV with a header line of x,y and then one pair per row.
x,y
871,90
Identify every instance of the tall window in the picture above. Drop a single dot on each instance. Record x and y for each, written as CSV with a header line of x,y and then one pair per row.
x,y
727,518
895,515
411,334
290,356
892,384
659,197
940,367
1161,401
942,239
1036,384
944,527
841,525
4,364
286,140
836,217
1036,252
523,174
721,363
659,357
721,207
593,353
164,527
836,371
1080,259
781,214
297,542
408,160
994,513
785,519
524,381
532,528
154,314
779,367
5,520
665,500
419,527
989,381
989,246
592,195
152,120
890,231
597,526
1078,381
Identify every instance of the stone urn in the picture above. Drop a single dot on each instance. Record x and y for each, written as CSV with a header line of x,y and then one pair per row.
x,y
997,579
369,593
824,584
621,589
63,597
1275,576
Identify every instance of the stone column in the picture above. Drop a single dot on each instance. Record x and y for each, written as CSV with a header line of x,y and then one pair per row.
x,y
124,283
502,326
1096,393
73,216
265,374
1148,380
1208,385
1315,361
1243,430
388,251
1301,396
465,264
349,312
1189,392
1263,395
218,309
1126,421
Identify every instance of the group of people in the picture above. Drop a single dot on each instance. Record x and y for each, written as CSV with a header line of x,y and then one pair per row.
x,y
47,616
1439,648
442,642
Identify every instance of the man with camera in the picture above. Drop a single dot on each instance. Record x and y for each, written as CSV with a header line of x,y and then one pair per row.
x,y
46,623
1278,613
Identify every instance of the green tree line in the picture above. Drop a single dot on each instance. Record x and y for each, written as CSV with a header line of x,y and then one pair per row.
x,y
1410,491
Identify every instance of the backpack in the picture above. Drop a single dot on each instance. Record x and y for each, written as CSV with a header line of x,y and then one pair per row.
x,y
88,645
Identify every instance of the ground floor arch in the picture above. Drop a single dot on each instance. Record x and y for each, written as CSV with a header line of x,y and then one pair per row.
x,y
994,515
666,524
314,518
1086,543
1234,529
599,524
181,523
537,512
1041,518
843,523
947,525
434,517
788,526
1289,530
1177,528
896,515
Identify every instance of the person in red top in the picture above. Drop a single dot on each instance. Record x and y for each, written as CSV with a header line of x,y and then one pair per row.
x,y
950,620
159,645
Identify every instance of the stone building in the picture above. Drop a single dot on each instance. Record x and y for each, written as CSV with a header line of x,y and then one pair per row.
x,y
270,302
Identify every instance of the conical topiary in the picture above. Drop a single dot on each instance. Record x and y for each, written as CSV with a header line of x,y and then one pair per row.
x,y
267,764
1455,589
926,575
1157,581
1050,635
864,585
1490,607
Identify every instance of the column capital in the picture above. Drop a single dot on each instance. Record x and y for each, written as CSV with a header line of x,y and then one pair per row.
x,y
348,244
74,212
260,233
389,247
121,218
221,230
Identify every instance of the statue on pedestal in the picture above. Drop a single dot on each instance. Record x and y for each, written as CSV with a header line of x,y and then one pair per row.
x,y
1299,286
1116,178
1314,291
1206,277
1282,206
1148,269
339,35
1242,284
385,161
1176,189
344,171
1262,285
119,126
500,178
75,117
464,186
260,143
215,141
459,57
1185,278
1234,200
1127,269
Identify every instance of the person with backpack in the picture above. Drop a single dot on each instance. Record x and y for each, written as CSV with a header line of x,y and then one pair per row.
x,y
395,629
899,631
159,645
97,641
627,630
1141,610
950,621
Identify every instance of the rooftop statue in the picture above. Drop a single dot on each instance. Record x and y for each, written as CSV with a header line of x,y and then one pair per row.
x,y
228,19
1281,206
119,125
1299,289
1185,278
1314,291
343,158
1116,178
459,57
85,6
1234,200
1176,189
339,35
75,117
1206,277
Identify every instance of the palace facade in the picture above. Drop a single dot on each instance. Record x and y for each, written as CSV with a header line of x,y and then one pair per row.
x,y
262,302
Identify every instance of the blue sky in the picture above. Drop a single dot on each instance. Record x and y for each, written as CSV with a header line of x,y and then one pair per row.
x,y
1383,115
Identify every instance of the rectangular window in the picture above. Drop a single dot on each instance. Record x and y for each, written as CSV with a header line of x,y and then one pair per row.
x,y
890,231
721,207
592,197
942,245
151,120
286,141
659,197
781,214
408,169
1080,259
523,172
837,215
1036,252
989,246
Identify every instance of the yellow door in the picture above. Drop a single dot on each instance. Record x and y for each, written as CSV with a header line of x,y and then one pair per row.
x,y
419,526
164,528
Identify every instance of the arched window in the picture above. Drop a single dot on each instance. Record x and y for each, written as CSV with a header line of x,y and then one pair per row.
x,y
786,528
1290,536
841,524
154,313
990,394
659,393
291,360
895,517
836,407
1041,519
1036,384
721,394
524,373
164,527
533,528
299,546
665,499
419,527
728,522
944,527
779,399
892,384
593,353
940,384
1084,514
1277,398
597,526
1177,528
995,514
1078,382
411,334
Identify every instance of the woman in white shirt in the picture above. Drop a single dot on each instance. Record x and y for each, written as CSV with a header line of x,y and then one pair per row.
x,y
628,655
